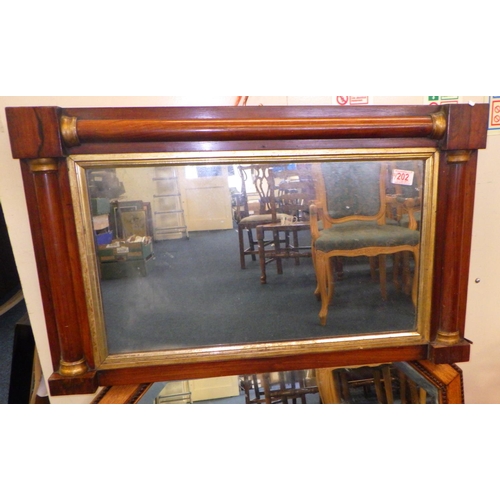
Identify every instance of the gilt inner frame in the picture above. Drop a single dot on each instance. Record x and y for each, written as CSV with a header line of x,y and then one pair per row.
x,y
78,164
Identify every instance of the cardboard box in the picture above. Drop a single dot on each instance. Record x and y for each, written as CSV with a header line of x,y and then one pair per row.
x,y
112,251
127,268
100,222
139,248
100,206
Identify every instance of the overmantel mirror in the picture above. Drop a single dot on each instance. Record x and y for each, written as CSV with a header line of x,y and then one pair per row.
x,y
184,243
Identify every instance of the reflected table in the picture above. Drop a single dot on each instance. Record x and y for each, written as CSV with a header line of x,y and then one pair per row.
x,y
285,245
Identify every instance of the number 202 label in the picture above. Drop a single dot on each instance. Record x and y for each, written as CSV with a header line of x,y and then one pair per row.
x,y
404,177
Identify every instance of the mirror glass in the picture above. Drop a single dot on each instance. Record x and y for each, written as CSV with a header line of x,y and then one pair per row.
x,y
163,242
396,383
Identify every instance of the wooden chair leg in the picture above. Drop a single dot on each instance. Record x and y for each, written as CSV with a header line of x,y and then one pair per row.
x,y
377,378
402,388
302,384
328,386
282,382
247,386
386,373
322,265
344,384
277,250
414,396
423,396
293,385
242,247
251,244
267,388
262,255
251,384
383,275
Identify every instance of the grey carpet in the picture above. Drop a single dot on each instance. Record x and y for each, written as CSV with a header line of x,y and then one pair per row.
x,y
7,326
197,295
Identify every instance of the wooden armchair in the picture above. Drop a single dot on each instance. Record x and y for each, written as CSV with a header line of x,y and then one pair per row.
x,y
350,208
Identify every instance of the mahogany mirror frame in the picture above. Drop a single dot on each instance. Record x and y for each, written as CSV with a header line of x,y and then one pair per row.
x,y
43,138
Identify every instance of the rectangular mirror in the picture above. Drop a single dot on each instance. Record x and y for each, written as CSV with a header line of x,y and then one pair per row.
x,y
159,242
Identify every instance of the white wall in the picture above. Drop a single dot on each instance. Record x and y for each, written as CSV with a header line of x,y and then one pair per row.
x,y
482,373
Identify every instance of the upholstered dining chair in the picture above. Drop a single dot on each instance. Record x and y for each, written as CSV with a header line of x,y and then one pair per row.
x,y
350,208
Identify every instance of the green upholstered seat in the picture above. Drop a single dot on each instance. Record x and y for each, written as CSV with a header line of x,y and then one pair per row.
x,y
260,218
353,235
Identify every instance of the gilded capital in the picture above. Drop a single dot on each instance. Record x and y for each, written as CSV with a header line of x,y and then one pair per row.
x,y
459,156
71,369
448,337
43,165
438,125
68,131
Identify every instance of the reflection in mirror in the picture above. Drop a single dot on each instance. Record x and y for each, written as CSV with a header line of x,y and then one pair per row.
x,y
397,383
208,255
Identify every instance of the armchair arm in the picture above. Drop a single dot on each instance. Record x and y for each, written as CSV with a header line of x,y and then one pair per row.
x,y
401,205
314,213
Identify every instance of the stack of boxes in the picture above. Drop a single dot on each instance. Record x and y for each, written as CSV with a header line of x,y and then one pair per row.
x,y
100,208
120,258
126,258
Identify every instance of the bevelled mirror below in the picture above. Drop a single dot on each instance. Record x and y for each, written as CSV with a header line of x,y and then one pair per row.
x,y
168,244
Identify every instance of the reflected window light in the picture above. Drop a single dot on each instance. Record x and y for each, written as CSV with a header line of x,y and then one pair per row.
x,y
191,172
